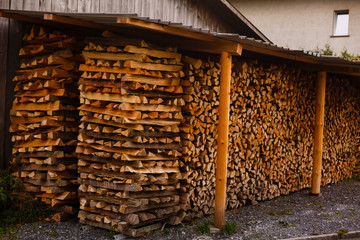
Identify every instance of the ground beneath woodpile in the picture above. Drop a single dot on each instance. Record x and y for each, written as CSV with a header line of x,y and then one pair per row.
x,y
296,215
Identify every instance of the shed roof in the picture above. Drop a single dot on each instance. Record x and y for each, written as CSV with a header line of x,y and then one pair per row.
x,y
215,15
192,39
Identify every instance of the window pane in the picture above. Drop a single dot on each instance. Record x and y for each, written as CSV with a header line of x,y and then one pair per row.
x,y
342,24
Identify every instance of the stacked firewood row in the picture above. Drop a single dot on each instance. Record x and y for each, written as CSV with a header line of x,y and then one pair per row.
x,y
356,170
340,129
44,118
271,132
129,137
199,134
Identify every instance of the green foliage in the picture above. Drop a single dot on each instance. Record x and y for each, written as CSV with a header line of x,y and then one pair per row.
x,y
353,212
230,227
345,54
355,178
111,232
283,212
256,236
53,233
204,227
165,231
342,232
324,51
17,207
283,223
7,187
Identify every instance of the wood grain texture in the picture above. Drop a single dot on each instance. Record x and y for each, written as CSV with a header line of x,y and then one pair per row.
x,y
5,4
223,140
319,133
4,30
186,12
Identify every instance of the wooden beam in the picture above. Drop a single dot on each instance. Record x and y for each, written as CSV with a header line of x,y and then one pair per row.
x,y
217,46
164,28
73,21
222,141
21,17
275,53
318,136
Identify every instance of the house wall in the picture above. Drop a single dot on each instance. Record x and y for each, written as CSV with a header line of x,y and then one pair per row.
x,y
303,24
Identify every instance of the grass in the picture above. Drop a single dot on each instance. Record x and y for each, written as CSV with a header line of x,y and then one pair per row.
x,y
353,212
284,212
204,228
342,232
283,223
30,211
230,227
165,231
355,178
17,207
111,232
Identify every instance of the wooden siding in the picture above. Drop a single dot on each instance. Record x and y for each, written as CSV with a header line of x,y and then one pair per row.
x,y
4,33
187,12
13,60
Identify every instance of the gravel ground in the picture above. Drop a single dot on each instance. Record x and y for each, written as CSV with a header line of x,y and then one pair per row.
x,y
295,215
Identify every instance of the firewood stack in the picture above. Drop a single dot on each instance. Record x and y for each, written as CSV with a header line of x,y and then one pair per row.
x,y
356,170
129,140
271,132
199,134
44,118
340,129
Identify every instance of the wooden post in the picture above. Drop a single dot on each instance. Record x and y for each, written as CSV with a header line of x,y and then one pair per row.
x,y
222,140
318,136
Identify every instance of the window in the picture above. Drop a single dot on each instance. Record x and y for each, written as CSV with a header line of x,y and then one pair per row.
x,y
341,23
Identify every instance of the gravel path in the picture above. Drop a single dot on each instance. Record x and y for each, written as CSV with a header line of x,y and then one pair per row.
x,y
295,215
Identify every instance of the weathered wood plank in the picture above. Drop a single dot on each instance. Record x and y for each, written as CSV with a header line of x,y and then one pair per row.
x,y
45,5
17,5
5,4
59,6
31,5
13,48
4,34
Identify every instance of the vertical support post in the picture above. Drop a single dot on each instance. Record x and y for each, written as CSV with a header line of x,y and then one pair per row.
x,y
318,136
222,140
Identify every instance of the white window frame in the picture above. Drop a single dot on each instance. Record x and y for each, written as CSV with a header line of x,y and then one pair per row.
x,y
337,13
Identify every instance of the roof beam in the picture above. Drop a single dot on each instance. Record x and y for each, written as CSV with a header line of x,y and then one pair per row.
x,y
73,21
21,17
209,47
279,54
164,29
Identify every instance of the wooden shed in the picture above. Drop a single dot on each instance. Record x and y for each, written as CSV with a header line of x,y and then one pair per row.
x,y
168,113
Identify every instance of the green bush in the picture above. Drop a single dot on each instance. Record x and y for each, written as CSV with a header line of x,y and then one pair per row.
x,y
16,206
230,227
204,228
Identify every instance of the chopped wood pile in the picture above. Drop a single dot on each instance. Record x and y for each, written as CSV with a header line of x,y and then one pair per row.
x,y
129,140
145,146
44,118
340,129
199,133
271,132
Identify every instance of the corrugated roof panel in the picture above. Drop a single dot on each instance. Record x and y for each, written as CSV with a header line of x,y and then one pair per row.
x,y
110,19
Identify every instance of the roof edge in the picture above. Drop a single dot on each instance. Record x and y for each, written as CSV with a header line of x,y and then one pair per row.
x,y
238,14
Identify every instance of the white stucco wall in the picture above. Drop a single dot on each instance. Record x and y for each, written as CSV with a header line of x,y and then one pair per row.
x,y
303,24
